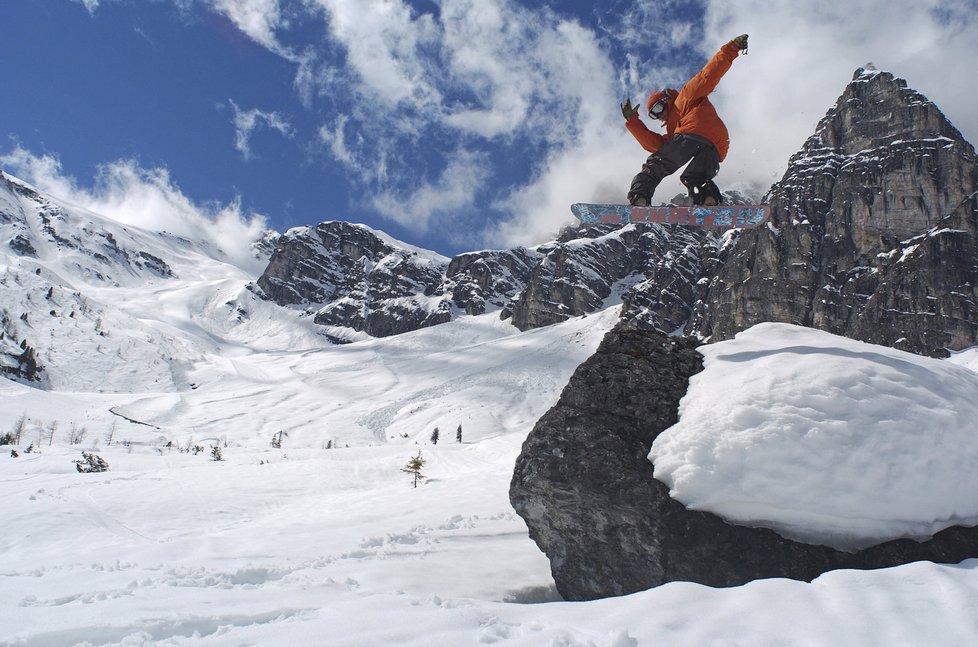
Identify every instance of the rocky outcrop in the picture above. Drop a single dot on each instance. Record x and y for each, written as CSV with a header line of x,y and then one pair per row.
x,y
482,280
589,267
872,234
354,278
583,484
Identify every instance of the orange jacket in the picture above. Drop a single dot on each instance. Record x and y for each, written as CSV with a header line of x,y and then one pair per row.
x,y
690,111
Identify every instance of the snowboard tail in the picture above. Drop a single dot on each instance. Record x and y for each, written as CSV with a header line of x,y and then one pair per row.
x,y
735,215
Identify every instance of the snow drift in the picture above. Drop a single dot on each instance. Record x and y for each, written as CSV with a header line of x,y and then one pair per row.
x,y
824,439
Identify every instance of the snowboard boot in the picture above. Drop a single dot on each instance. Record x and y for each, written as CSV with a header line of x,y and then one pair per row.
x,y
706,194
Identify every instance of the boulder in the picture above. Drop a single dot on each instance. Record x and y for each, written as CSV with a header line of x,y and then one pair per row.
x,y
583,483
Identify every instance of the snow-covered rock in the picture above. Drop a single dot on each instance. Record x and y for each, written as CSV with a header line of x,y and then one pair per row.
x,y
825,439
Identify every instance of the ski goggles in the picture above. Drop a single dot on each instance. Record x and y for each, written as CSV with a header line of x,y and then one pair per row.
x,y
657,109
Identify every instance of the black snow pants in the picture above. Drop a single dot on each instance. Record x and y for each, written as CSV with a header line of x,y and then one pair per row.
x,y
667,160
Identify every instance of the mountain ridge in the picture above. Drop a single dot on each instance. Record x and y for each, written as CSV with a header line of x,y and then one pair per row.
x,y
872,236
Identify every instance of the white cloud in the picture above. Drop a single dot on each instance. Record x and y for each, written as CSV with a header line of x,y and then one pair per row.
x,y
145,198
384,41
257,19
454,189
247,121
527,77
90,5
334,136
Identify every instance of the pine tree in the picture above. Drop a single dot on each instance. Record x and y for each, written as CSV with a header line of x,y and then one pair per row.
x,y
458,435
414,467
434,436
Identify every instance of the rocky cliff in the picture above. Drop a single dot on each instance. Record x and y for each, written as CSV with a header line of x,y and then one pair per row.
x,y
872,236
872,233
353,279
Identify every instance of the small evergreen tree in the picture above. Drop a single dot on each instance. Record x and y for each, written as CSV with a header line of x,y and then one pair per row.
x,y
434,436
458,435
414,467
216,454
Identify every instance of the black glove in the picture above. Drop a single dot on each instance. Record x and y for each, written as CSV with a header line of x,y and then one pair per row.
x,y
741,42
627,109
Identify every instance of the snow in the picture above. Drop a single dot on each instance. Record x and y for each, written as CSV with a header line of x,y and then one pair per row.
x,y
825,439
323,541
308,546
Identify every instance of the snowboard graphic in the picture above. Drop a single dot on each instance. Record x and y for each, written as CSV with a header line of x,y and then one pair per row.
x,y
733,215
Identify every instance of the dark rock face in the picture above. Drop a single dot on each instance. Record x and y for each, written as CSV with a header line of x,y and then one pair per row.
x,y
480,280
872,234
583,484
353,277
18,361
585,266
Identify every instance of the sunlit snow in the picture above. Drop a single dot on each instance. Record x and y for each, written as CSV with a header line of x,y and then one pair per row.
x,y
308,532
825,439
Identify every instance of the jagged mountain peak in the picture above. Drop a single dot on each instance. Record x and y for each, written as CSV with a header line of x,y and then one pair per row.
x,y
357,239
872,233
877,109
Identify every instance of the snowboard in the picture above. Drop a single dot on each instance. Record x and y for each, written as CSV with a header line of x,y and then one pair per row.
x,y
723,215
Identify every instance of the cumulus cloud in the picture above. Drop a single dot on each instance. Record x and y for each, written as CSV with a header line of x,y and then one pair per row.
x,y
247,121
146,198
421,96
451,191
384,41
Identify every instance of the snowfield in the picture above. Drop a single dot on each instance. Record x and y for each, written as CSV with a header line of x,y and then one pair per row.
x,y
309,532
304,545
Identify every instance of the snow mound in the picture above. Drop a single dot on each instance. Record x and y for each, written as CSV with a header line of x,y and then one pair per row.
x,y
824,439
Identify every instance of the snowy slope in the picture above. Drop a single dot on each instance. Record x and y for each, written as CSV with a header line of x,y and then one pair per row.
x,y
111,307
310,546
322,540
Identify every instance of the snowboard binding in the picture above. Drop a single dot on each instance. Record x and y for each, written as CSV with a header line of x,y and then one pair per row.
x,y
706,194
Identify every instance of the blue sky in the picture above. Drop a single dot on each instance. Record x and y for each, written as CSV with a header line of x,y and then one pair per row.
x,y
450,124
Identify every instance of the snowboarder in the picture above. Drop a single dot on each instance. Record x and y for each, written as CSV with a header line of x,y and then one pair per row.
x,y
694,132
